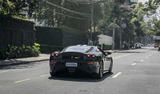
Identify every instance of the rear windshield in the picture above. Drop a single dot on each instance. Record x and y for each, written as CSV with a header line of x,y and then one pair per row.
x,y
82,49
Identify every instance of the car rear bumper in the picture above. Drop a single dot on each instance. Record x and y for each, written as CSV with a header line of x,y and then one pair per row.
x,y
82,66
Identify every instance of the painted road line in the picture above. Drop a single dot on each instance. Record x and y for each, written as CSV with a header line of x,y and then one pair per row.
x,y
115,76
133,64
4,71
20,81
44,75
117,57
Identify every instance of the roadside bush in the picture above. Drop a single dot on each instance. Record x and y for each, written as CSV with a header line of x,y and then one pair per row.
x,y
107,47
20,51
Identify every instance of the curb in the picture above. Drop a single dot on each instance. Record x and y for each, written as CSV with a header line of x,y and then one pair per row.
x,y
17,62
112,51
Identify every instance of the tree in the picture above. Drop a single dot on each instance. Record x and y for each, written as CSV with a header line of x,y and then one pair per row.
x,y
138,13
20,5
6,7
154,23
14,7
77,15
148,10
119,13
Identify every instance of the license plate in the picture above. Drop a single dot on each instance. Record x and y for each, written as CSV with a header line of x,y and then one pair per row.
x,y
71,64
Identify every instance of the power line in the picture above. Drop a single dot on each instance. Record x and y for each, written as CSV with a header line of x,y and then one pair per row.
x,y
71,16
95,2
66,9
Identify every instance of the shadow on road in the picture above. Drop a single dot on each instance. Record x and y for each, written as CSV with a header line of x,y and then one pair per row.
x,y
80,78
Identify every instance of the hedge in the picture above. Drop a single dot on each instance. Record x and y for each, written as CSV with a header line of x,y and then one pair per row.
x,y
20,51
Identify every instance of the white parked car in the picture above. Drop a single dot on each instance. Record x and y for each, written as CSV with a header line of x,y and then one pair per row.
x,y
138,45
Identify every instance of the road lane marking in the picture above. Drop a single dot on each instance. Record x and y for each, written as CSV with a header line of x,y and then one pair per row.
x,y
133,64
115,76
117,57
4,71
20,81
44,75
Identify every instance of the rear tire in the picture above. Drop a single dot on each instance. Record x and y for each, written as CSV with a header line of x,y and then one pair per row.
x,y
111,66
52,74
100,74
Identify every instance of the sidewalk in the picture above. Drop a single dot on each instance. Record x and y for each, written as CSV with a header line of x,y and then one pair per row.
x,y
114,51
41,57
121,50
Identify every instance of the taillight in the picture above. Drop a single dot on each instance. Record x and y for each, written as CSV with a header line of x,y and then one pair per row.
x,y
55,54
53,62
90,63
91,55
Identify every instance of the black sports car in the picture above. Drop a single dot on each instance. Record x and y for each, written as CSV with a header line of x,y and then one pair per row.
x,y
89,59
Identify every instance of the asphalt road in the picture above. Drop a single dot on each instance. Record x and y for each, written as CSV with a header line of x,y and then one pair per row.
x,y
134,72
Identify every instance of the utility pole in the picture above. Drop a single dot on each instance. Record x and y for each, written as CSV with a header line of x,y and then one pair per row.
x,y
92,21
123,25
113,39
120,39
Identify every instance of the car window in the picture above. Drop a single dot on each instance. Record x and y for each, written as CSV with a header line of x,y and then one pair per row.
x,y
78,49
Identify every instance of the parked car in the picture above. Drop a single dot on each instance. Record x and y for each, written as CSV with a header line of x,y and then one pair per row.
x,y
138,45
89,59
155,45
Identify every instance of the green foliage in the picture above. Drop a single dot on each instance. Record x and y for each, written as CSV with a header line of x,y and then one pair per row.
x,y
149,10
118,16
106,47
138,13
152,5
6,7
133,20
20,51
14,7
156,26
56,17
107,9
20,5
